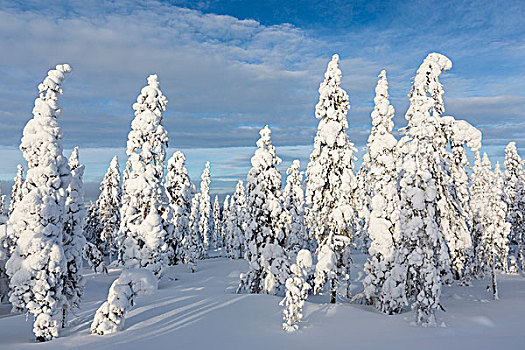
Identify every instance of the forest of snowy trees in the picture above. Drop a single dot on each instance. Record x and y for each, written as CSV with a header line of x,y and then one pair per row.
x,y
423,216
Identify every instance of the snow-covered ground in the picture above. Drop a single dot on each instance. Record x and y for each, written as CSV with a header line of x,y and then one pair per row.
x,y
201,311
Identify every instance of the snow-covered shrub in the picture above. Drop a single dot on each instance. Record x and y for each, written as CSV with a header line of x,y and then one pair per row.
x,y
236,223
297,289
108,206
330,179
73,239
131,283
205,206
37,266
94,257
265,238
143,184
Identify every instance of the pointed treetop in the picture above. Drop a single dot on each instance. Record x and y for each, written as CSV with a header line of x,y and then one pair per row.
x,y
73,159
114,162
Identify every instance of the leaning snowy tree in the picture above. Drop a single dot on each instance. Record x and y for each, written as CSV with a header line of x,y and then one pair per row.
x,y
73,237
178,188
293,205
515,198
236,223
205,206
422,258
217,223
143,183
37,267
108,207
265,238
16,191
330,185
382,224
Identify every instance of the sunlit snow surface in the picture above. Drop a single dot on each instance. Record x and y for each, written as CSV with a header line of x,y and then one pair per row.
x,y
201,311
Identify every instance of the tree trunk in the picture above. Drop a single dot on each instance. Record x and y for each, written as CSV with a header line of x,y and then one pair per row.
x,y
332,291
494,281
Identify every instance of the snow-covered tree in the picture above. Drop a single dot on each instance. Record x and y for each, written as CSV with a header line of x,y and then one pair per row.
x,y
331,183
94,257
293,205
382,223
225,219
193,244
17,189
108,207
3,205
178,188
205,206
363,198
236,223
92,226
265,238
217,223
143,183
458,220
38,265
422,259
515,198
297,289
73,239
490,228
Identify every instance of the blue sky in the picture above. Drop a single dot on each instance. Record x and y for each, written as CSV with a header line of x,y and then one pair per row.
x,y
230,67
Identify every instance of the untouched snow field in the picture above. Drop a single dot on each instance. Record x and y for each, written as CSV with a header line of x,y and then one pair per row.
x,y
201,311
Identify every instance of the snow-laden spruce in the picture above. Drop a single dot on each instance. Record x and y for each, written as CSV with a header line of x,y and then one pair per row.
x,y
331,183
94,258
217,223
382,223
297,289
16,190
236,222
108,207
193,244
9,237
265,238
178,188
205,206
92,226
363,198
490,228
37,266
143,184
293,205
131,283
460,134
73,239
515,199
422,256
225,219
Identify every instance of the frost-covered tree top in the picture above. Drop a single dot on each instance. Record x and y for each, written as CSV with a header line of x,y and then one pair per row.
x,y
37,266
148,137
382,115
426,97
